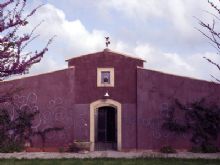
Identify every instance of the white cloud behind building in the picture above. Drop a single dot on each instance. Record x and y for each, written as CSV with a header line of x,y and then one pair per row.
x,y
162,32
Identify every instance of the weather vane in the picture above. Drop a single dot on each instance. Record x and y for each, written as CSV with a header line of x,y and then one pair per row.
x,y
107,42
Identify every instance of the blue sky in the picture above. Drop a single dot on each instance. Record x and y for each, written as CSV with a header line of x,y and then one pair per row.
x,y
160,31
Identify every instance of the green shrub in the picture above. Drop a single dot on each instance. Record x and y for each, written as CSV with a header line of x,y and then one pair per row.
x,y
197,149
205,149
201,120
14,132
62,149
167,149
73,148
11,146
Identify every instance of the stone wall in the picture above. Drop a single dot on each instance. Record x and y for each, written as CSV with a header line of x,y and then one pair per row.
x,y
53,95
156,92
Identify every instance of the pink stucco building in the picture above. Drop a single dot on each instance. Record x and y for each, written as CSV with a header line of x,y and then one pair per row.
x,y
109,99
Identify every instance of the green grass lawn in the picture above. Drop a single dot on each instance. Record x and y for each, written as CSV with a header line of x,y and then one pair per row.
x,y
139,161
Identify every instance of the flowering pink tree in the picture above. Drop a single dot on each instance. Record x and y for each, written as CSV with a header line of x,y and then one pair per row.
x,y
14,59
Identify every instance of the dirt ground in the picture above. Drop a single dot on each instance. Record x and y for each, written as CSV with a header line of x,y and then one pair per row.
x,y
107,154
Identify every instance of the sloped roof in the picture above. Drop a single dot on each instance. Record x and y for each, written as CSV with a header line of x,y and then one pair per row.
x,y
107,50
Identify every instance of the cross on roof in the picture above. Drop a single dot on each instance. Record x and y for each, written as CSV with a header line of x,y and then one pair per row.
x,y
107,42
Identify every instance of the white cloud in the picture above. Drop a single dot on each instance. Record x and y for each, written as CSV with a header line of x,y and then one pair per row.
x,y
178,14
73,35
136,8
74,38
189,65
166,62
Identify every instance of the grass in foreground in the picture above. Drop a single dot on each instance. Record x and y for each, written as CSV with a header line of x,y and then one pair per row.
x,y
105,161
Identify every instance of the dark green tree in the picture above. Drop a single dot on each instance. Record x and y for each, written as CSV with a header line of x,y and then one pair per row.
x,y
200,120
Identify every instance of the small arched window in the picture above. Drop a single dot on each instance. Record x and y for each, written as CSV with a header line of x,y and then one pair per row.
x,y
105,77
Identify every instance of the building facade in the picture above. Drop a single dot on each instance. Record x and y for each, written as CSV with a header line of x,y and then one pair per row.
x,y
108,99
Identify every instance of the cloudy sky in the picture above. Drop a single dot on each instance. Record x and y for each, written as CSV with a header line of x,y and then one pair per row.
x,y
163,32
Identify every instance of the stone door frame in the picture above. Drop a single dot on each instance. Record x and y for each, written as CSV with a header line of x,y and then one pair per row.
x,y
93,108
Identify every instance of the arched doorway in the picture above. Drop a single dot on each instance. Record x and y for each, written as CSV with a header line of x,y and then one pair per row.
x,y
106,128
105,125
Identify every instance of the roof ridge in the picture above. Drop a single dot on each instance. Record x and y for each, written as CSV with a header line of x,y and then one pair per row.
x,y
108,51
